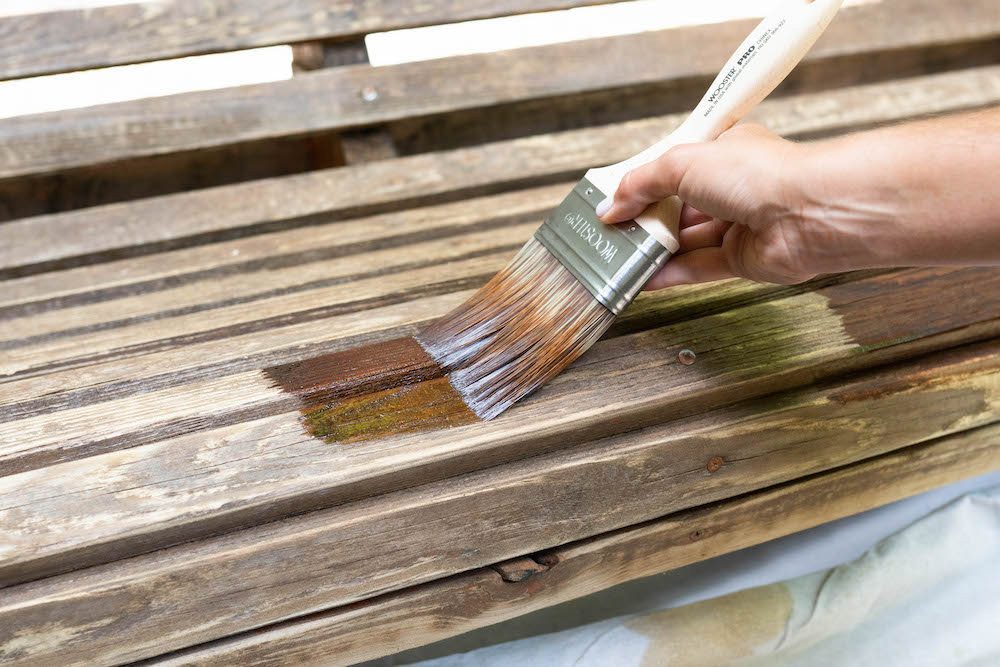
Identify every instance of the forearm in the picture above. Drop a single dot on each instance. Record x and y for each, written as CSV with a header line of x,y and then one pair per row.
x,y
924,193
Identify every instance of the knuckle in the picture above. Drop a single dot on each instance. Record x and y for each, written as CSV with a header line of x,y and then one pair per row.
x,y
747,130
628,189
679,154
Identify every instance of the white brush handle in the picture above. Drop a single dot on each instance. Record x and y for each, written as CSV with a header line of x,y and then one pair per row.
x,y
761,62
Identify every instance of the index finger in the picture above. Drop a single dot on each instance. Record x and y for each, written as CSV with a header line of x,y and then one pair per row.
x,y
651,182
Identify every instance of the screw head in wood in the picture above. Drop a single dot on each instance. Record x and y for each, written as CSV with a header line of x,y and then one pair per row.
x,y
714,463
686,357
369,94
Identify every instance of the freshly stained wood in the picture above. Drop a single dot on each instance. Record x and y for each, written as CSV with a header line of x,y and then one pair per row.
x,y
327,196
820,330
330,99
67,40
305,564
366,370
448,607
742,352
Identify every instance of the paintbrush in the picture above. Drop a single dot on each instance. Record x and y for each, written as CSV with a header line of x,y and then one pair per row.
x,y
567,285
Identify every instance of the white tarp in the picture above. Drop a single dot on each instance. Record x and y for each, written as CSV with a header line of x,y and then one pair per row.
x,y
927,595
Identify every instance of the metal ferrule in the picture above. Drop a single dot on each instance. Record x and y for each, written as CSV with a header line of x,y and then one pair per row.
x,y
612,261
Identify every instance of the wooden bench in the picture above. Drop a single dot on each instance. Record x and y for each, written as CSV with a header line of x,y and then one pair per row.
x,y
164,260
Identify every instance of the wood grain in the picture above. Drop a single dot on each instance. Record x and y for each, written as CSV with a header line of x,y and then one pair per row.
x,y
362,370
820,333
330,99
332,557
430,405
313,199
477,598
330,242
160,486
104,184
62,41
742,352
511,120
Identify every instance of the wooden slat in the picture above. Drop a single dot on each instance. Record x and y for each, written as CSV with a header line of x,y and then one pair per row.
x,y
100,185
441,609
369,244
472,127
67,40
31,439
253,470
314,198
330,99
336,556
303,275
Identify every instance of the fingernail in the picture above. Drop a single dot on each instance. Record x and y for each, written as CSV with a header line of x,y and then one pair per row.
x,y
603,207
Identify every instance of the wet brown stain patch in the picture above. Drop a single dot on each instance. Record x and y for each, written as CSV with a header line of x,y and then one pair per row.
x,y
362,370
372,391
422,406
715,632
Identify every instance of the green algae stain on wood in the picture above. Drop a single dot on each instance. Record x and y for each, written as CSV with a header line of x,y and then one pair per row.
x,y
422,406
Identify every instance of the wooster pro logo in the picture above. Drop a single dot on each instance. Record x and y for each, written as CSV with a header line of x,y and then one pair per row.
x,y
721,88
604,248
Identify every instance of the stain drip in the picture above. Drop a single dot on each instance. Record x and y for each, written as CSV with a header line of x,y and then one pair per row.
x,y
372,391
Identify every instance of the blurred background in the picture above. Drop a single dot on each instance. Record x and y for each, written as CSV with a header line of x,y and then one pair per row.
x,y
129,82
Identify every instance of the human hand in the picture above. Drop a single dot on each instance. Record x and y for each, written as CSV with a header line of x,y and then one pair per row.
x,y
743,214
760,207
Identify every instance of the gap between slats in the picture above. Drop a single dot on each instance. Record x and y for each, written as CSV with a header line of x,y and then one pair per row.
x,y
327,100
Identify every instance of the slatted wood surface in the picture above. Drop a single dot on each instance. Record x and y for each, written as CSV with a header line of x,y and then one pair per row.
x,y
331,99
160,495
76,39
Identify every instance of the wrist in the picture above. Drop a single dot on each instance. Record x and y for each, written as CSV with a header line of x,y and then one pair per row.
x,y
850,217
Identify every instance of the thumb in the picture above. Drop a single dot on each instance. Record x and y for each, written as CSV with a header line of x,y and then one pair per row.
x,y
651,182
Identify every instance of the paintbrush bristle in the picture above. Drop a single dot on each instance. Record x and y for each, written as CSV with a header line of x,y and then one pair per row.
x,y
517,332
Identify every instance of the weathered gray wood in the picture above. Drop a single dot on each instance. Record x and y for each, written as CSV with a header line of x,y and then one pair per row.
x,y
448,607
383,543
510,120
68,40
332,99
742,352
412,181
300,247
147,177
149,470
30,439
